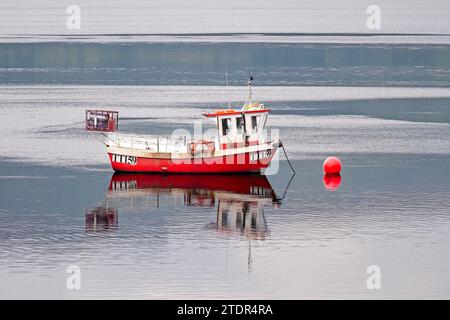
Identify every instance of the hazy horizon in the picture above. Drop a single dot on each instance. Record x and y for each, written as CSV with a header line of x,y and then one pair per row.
x,y
26,17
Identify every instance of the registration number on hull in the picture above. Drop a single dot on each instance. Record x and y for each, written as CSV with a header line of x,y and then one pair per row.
x,y
254,156
131,160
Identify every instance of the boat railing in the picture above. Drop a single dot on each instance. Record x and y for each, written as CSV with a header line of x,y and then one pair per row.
x,y
154,143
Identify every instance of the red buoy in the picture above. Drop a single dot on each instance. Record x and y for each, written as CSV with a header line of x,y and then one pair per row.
x,y
332,181
332,165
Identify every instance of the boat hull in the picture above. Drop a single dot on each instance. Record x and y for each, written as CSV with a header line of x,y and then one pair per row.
x,y
247,162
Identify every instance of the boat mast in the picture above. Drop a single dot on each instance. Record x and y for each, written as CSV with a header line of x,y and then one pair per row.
x,y
226,79
250,78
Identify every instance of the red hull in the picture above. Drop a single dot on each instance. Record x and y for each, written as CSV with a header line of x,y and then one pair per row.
x,y
223,164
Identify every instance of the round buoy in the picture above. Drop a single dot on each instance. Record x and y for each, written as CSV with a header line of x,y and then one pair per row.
x,y
332,165
332,181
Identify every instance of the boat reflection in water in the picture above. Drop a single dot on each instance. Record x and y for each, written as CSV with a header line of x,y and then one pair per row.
x,y
101,218
239,199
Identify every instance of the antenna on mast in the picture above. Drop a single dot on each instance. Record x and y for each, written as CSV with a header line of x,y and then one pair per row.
x,y
226,79
250,78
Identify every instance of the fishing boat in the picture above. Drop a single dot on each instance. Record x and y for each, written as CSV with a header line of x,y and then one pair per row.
x,y
240,145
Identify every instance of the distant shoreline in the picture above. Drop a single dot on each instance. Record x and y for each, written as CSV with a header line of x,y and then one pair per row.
x,y
304,38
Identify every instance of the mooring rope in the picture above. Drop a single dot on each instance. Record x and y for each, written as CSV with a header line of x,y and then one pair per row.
x,y
287,158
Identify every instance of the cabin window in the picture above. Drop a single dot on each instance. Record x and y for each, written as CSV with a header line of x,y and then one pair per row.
x,y
255,120
226,124
239,124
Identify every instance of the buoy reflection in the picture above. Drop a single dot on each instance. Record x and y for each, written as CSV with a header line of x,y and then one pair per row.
x,y
332,181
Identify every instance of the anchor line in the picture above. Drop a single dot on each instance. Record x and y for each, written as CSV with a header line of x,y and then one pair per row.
x,y
287,158
286,189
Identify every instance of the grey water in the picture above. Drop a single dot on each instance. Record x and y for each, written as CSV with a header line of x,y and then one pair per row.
x,y
383,109
205,63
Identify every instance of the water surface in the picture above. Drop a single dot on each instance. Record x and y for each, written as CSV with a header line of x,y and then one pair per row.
x,y
384,110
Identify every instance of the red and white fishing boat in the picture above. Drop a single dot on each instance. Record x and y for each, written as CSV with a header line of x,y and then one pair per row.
x,y
240,145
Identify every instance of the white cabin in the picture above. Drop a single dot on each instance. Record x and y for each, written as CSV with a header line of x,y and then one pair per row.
x,y
240,128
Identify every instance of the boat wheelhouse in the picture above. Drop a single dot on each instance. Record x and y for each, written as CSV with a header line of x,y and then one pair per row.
x,y
240,128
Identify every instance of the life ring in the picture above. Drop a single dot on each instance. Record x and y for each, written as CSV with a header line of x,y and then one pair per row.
x,y
210,145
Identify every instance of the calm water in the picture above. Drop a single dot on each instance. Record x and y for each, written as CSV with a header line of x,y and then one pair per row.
x,y
205,63
140,236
